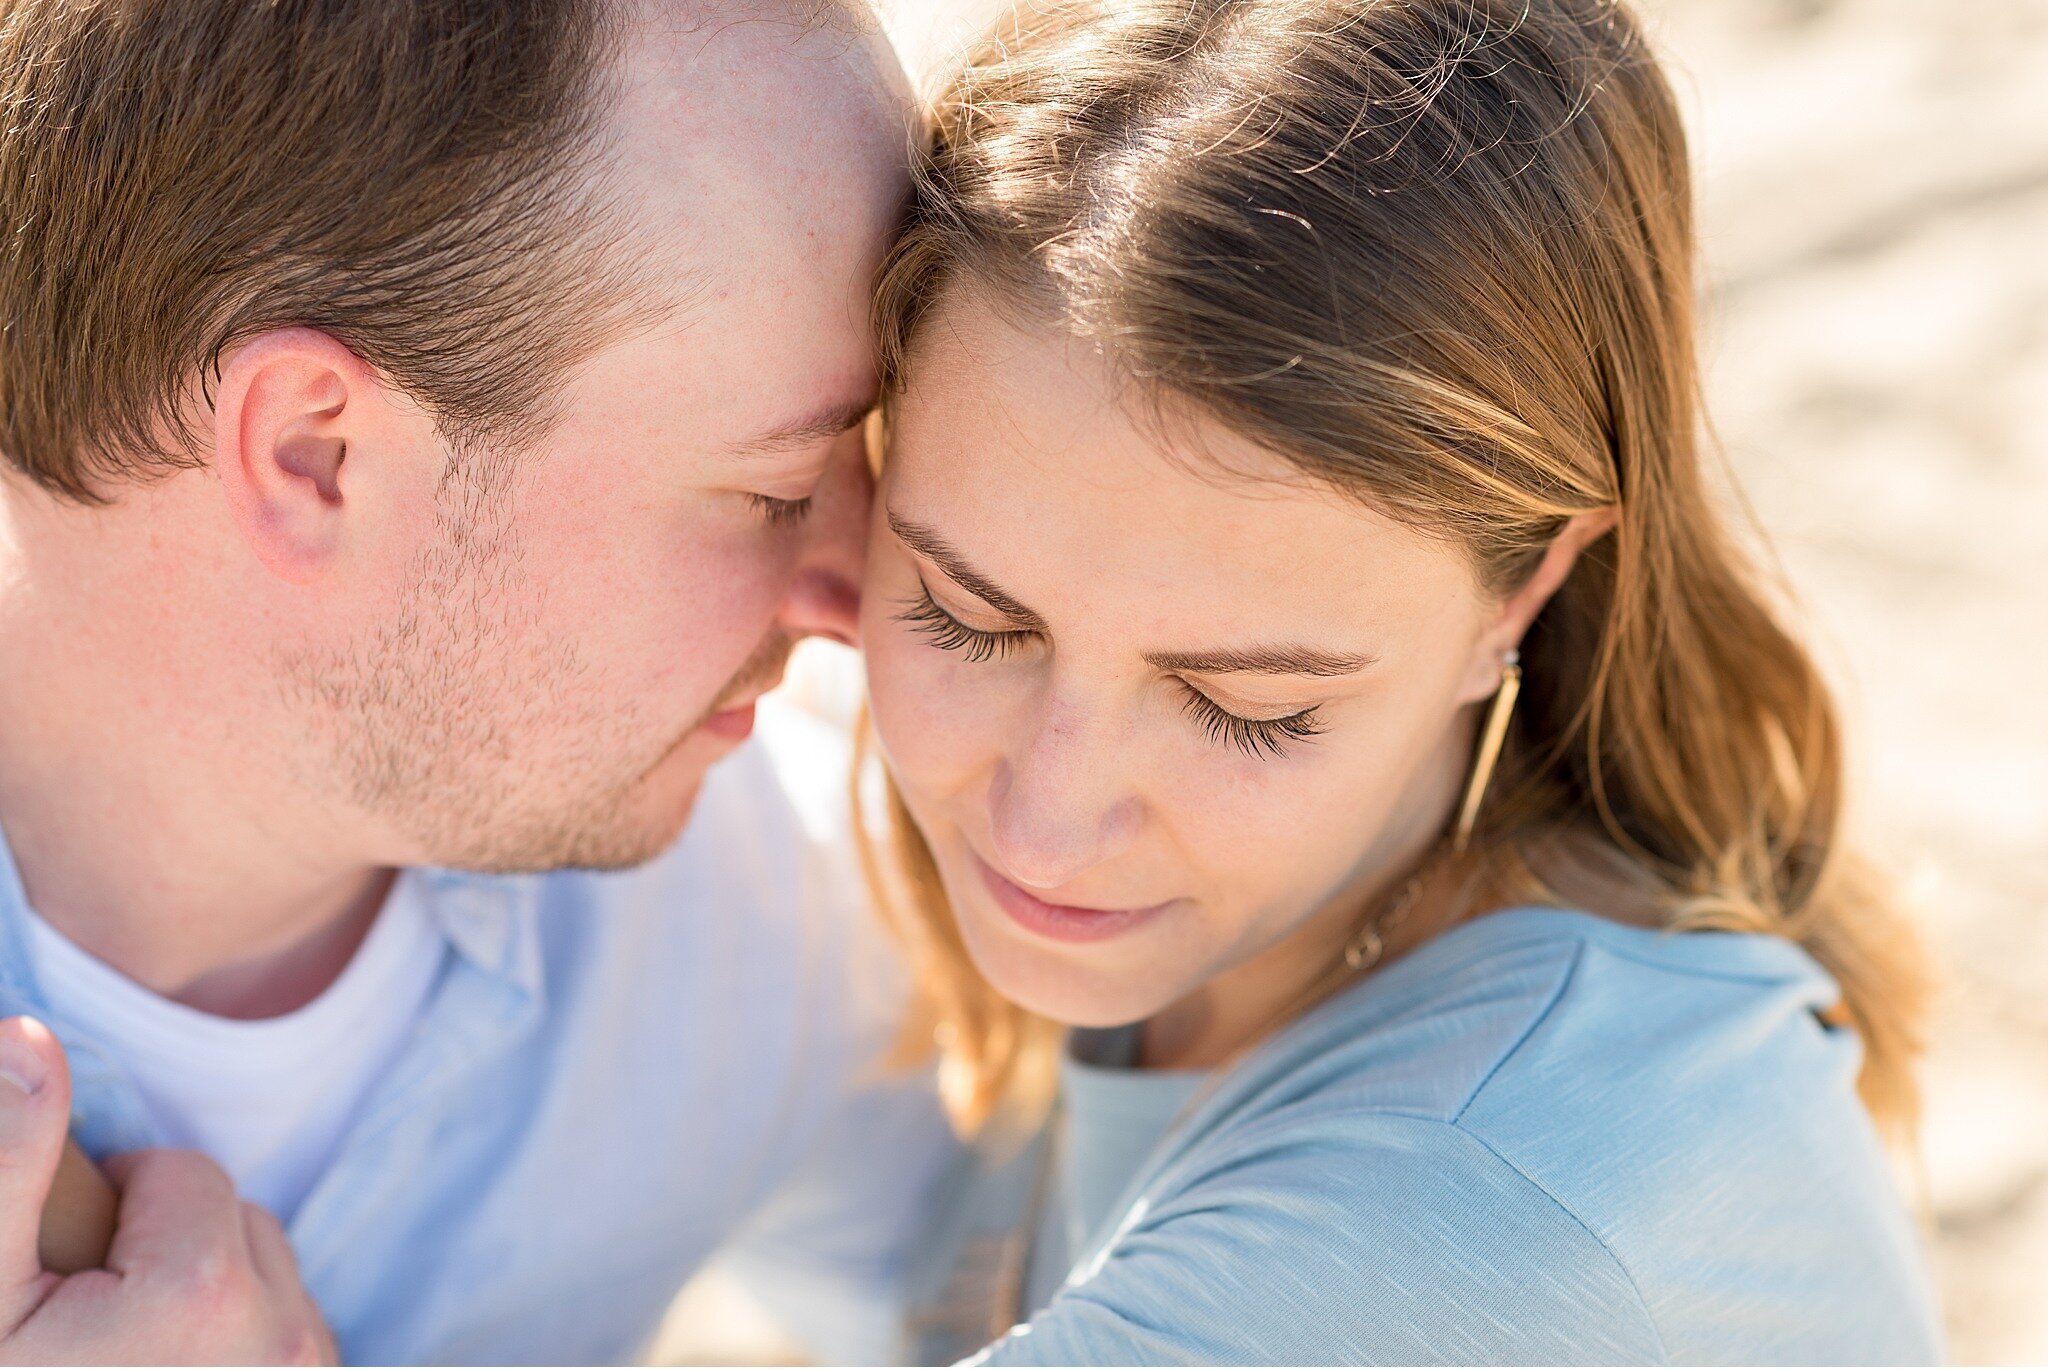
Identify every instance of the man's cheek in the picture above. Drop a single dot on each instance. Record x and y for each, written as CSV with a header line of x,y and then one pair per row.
x,y
669,644
720,595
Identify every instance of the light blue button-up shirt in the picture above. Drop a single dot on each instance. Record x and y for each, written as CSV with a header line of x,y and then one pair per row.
x,y
615,1077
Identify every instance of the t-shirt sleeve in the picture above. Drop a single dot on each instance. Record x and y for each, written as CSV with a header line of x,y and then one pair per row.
x,y
1360,1240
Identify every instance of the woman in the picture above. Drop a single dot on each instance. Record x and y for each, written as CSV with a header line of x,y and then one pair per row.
x,y
1309,658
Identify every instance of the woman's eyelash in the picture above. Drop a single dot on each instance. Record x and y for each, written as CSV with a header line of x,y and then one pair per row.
x,y
1260,737
923,615
781,513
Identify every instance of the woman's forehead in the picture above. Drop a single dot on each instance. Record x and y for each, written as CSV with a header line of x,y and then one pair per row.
x,y
1036,462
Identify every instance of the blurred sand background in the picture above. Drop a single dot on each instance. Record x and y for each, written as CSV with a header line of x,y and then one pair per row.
x,y
1874,187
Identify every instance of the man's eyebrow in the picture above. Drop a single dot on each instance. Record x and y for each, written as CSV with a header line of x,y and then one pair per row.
x,y
829,422
1287,660
943,555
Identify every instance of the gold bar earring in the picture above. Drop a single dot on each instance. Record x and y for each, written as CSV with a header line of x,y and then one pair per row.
x,y
1490,740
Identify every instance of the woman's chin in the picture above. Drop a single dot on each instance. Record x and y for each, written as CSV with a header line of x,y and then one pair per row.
x,y
1067,984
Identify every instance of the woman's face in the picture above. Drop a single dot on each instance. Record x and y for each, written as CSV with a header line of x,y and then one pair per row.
x,y
1166,717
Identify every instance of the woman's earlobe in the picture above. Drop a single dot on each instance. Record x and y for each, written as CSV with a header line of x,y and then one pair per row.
x,y
1579,532
1521,607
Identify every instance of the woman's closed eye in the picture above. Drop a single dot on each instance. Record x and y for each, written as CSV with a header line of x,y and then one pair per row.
x,y
1269,737
924,616
1257,737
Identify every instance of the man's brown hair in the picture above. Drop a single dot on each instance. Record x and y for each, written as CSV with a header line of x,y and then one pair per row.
x,y
414,177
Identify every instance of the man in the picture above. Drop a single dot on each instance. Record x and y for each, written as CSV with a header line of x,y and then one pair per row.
x,y
427,428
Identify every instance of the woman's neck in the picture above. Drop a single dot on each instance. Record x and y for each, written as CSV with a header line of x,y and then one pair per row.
x,y
1230,1014
1234,1011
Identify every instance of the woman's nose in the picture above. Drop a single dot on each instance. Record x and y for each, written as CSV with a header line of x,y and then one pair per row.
x,y
1060,806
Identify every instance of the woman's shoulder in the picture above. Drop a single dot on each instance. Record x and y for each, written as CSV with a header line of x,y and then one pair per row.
x,y
1660,1122
1484,1020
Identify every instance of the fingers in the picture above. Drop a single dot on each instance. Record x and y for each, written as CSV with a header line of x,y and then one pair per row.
x,y
305,1339
221,1270
35,1109
277,1264
79,1215
179,1214
199,1278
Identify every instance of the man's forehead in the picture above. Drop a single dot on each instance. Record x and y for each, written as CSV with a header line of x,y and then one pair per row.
x,y
762,159
726,81
748,148
685,15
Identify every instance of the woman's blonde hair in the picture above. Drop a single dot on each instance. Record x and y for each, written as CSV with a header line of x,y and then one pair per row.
x,y
1439,254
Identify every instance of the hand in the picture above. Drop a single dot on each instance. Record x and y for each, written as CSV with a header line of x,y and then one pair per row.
x,y
195,1276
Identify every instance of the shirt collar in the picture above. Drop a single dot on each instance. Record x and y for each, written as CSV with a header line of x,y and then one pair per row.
x,y
492,921
107,1115
19,990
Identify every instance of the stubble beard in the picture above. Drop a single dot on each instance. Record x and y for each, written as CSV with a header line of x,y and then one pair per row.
x,y
460,728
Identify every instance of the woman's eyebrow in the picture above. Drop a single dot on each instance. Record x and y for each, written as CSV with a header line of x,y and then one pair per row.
x,y
1287,660
943,555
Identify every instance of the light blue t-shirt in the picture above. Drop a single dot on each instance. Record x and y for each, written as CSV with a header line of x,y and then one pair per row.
x,y
1540,1138
1110,1117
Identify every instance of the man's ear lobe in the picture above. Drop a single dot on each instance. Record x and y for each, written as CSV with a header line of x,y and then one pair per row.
x,y
286,409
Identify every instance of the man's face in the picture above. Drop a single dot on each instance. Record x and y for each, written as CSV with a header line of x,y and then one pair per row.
x,y
567,637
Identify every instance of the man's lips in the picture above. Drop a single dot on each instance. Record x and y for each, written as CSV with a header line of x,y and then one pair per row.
x,y
1060,922
735,719
735,724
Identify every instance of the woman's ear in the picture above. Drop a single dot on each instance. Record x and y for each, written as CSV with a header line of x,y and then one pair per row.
x,y
1517,611
289,407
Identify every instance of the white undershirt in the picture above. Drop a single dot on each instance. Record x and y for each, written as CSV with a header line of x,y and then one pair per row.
x,y
269,1098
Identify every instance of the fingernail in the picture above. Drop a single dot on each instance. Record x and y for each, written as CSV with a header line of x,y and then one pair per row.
x,y
21,1065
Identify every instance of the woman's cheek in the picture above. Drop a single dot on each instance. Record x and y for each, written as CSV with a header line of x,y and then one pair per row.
x,y
932,711
1242,841
1286,829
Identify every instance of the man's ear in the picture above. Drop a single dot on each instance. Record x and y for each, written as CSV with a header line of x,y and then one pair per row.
x,y
287,408
1520,608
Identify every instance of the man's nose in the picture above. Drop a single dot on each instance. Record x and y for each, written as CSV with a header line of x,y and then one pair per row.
x,y
824,593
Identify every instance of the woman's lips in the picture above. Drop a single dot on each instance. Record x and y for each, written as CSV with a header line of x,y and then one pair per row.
x,y
1060,922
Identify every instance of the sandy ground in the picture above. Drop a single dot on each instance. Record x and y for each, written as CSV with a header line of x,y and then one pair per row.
x,y
1875,195
1874,185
